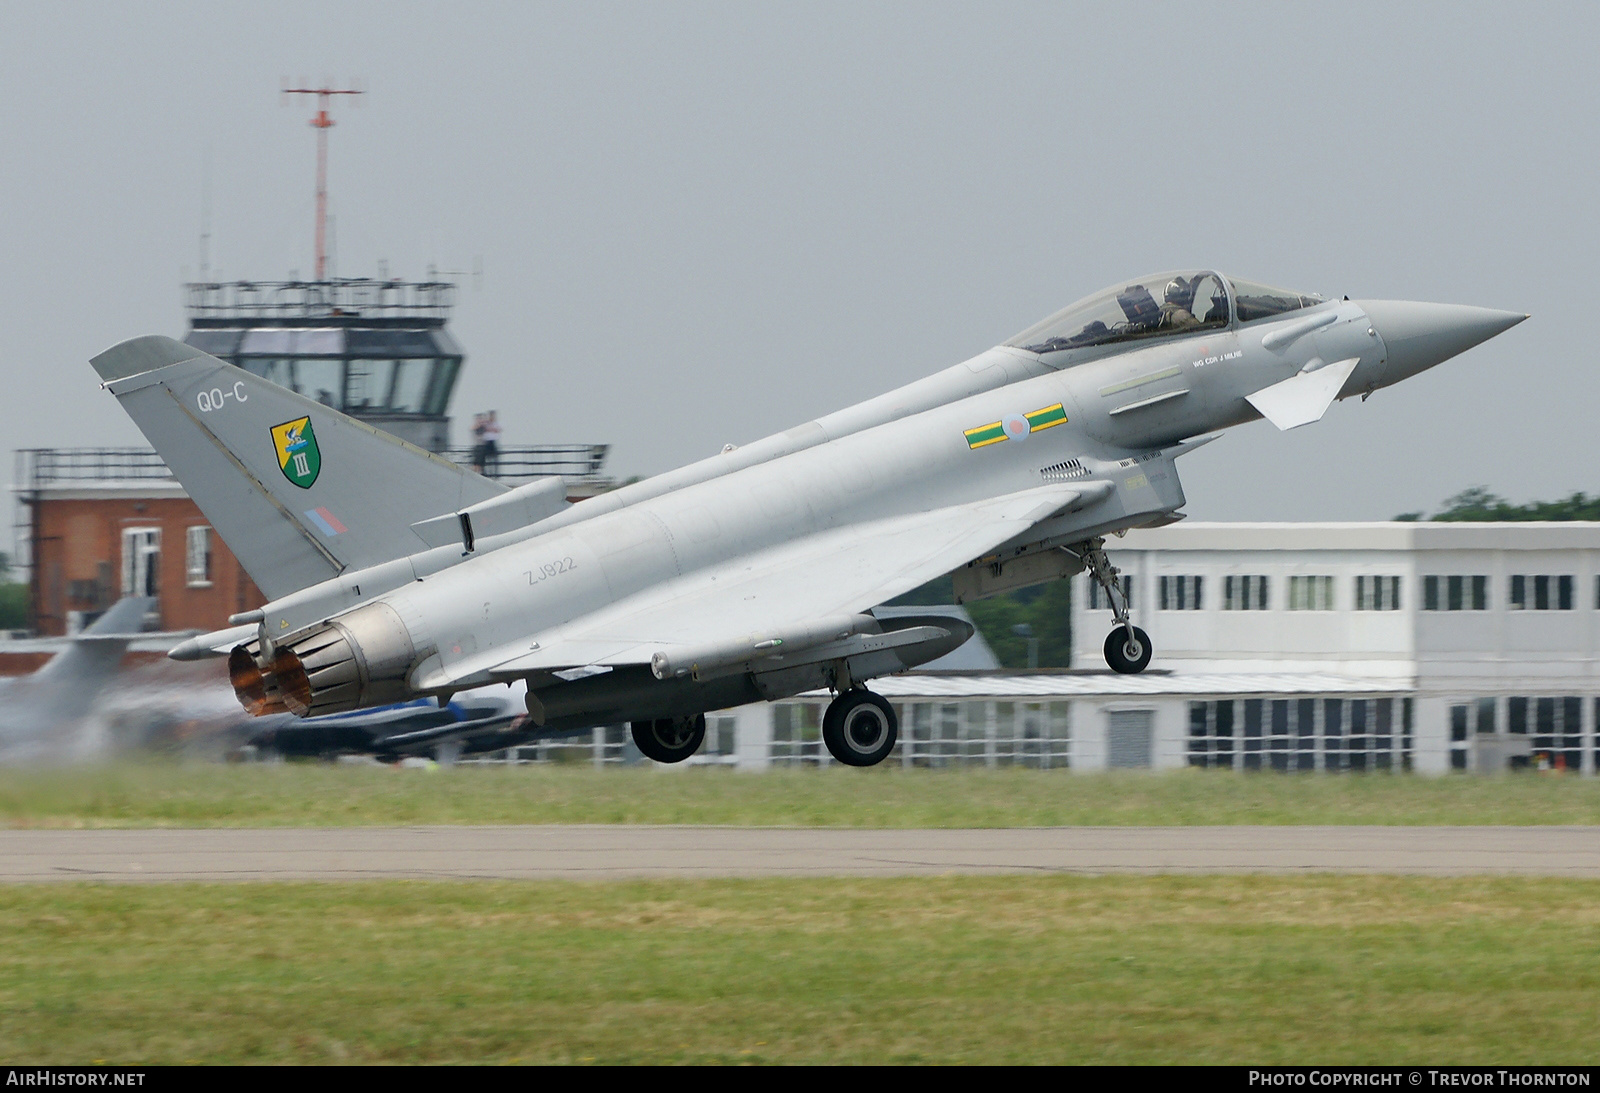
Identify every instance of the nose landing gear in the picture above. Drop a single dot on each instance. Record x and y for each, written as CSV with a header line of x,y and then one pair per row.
x,y
1127,650
1127,647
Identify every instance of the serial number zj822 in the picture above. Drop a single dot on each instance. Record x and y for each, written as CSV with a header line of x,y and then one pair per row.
x,y
550,569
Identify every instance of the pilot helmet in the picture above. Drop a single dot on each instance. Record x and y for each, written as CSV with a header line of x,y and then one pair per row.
x,y
1178,292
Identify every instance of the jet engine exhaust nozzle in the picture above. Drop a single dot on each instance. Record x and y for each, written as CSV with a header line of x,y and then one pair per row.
x,y
360,659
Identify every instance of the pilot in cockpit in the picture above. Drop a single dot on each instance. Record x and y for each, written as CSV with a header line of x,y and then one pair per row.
x,y
1177,312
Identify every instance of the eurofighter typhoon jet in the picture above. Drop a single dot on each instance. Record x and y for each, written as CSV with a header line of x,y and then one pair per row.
x,y
750,575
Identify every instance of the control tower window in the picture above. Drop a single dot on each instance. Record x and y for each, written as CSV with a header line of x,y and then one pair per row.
x,y
410,388
368,387
322,380
274,370
444,379
1162,305
1258,301
319,342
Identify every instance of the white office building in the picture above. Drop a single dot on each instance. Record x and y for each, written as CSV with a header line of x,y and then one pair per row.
x,y
1488,633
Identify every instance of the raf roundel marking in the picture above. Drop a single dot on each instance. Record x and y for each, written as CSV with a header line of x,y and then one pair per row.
x,y
1016,426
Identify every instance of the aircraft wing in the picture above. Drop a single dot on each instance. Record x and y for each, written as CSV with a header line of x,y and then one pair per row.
x,y
801,592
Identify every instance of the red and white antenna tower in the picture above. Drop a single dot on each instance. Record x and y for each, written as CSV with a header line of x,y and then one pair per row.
x,y
322,123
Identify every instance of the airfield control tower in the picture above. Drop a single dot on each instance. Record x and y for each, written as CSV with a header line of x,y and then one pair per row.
x,y
376,350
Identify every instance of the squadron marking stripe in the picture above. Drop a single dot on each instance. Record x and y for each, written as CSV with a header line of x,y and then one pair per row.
x,y
1047,418
1021,425
984,435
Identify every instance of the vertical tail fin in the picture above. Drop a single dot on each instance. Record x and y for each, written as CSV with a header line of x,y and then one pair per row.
x,y
83,666
297,490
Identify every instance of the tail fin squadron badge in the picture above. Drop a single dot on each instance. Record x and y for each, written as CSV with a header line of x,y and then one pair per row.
x,y
298,455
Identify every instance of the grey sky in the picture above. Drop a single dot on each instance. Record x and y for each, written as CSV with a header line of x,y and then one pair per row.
x,y
704,223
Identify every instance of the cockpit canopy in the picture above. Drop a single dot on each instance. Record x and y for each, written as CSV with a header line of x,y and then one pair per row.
x,y
1158,306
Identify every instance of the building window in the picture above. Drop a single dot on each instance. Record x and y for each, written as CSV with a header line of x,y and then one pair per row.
x,y
1540,593
1023,734
1555,723
983,733
1310,593
721,739
141,561
1180,593
1377,593
1458,737
1244,593
1300,734
1099,601
1467,722
797,734
1455,593
197,558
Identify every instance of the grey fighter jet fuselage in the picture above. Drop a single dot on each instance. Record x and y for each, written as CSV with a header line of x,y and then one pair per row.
x,y
750,574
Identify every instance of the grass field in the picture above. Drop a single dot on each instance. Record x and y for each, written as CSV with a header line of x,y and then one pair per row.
x,y
208,795
1318,969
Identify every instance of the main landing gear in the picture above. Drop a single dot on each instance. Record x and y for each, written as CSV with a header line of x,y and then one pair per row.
x,y
670,739
1127,647
859,728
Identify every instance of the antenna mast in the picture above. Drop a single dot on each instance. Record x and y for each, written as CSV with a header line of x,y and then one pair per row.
x,y
321,123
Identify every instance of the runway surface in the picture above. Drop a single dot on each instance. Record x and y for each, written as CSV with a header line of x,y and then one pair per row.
x,y
603,852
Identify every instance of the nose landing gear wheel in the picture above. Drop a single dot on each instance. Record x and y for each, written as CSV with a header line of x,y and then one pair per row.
x,y
859,728
670,739
1128,656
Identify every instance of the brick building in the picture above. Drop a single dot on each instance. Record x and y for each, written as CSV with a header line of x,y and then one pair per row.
x,y
102,523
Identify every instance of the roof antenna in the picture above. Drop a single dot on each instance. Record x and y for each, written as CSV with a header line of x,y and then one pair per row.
x,y
205,221
322,123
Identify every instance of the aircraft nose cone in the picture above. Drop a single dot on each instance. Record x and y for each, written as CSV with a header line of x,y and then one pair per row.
x,y
1419,336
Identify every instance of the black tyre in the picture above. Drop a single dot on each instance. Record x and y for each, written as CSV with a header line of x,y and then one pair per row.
x,y
860,728
1128,657
670,739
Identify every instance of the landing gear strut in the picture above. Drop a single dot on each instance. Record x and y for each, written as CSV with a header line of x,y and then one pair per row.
x,y
859,728
670,739
1127,647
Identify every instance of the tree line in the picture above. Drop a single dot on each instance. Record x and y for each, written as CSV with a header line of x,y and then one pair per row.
x,y
1476,503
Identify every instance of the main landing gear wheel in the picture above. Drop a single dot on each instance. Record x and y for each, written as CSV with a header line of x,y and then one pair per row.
x,y
859,728
670,739
1125,654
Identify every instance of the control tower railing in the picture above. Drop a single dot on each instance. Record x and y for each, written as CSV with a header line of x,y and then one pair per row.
x,y
343,299
575,462
41,468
